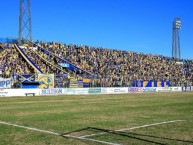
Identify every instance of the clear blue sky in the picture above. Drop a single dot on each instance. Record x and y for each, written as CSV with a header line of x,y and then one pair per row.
x,y
133,25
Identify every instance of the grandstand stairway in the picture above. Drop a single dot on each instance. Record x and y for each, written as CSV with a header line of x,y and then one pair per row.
x,y
28,60
35,66
71,66
56,66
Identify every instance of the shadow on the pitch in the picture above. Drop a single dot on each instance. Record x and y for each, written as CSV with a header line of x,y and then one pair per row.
x,y
143,135
129,135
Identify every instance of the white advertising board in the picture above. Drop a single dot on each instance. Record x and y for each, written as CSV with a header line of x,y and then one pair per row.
x,y
54,91
114,90
81,91
4,92
164,89
176,89
120,90
17,92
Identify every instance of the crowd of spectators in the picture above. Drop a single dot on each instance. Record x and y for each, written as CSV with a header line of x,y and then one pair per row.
x,y
11,62
122,68
48,64
45,65
112,67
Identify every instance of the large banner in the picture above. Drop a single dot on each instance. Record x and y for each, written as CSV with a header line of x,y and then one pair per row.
x,y
27,78
80,84
86,82
151,84
46,81
5,83
64,65
73,82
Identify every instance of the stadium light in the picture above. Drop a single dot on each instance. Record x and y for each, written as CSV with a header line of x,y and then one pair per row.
x,y
176,39
177,23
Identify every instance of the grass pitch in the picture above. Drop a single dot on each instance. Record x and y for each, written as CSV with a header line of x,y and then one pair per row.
x,y
62,114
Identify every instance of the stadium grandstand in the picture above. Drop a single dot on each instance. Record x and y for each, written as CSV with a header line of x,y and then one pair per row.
x,y
67,94
23,60
100,66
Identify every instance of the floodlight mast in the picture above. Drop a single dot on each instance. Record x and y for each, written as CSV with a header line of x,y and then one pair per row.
x,y
176,39
25,28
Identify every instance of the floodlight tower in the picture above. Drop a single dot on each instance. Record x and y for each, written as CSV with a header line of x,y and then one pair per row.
x,y
25,29
176,39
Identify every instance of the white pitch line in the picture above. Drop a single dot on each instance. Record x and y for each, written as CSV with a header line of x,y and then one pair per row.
x,y
148,125
82,138
137,127
57,134
29,128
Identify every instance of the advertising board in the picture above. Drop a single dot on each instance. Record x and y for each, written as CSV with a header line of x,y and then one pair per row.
x,y
120,90
146,90
104,91
3,92
135,90
94,91
55,91
164,89
81,91
187,88
176,89
70,91
17,92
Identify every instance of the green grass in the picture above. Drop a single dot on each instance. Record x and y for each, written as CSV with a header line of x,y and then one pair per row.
x,y
63,114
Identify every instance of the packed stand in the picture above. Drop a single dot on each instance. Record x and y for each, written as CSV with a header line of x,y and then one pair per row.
x,y
47,67
122,68
114,68
55,61
50,65
12,65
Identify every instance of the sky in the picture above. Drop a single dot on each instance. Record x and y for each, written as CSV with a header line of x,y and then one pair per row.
x,y
131,25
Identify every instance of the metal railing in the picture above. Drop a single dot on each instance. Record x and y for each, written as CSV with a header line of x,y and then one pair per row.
x,y
64,81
